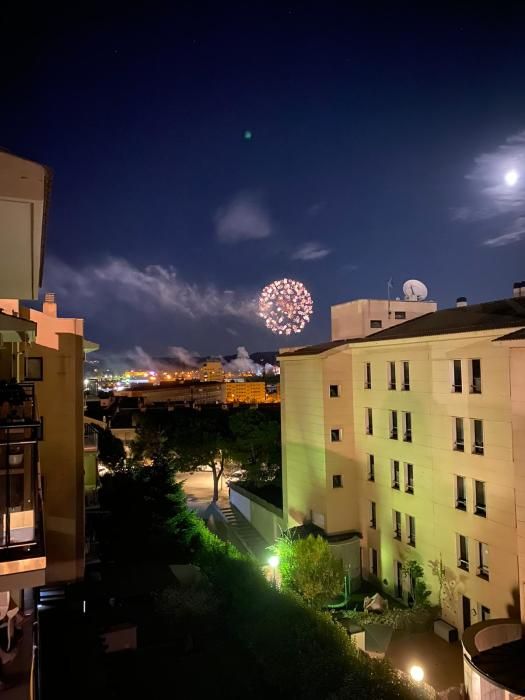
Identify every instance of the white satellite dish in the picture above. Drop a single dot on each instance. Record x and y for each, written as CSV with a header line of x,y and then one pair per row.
x,y
414,290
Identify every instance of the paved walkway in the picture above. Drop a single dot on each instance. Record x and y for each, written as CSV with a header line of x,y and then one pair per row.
x,y
441,661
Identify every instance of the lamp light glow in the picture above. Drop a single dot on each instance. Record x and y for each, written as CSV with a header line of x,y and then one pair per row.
x,y
273,561
417,673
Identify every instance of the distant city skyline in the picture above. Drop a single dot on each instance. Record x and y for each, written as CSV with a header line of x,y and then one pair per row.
x,y
201,152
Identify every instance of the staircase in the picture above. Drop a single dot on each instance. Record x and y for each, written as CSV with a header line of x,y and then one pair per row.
x,y
244,531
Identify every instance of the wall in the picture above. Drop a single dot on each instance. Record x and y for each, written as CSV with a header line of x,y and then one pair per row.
x,y
265,518
352,319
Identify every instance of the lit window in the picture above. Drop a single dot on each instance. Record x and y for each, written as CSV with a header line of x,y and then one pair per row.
x,y
483,561
393,425
409,478
392,376
407,426
376,323
475,376
457,379
337,481
400,315
461,493
405,386
369,423
371,468
478,447
480,504
459,435
373,521
462,548
411,530
368,375
334,391
396,521
394,465
335,434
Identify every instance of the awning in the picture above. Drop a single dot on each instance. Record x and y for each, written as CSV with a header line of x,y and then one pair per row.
x,y
14,329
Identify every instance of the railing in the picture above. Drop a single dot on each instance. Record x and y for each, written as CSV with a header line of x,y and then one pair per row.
x,y
461,503
478,448
463,564
393,433
407,437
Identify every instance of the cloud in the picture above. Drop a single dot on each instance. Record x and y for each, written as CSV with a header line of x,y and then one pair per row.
x,y
150,289
243,219
494,197
310,251
515,233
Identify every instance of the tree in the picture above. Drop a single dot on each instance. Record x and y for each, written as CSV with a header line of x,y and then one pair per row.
x,y
413,570
111,450
256,444
155,438
308,567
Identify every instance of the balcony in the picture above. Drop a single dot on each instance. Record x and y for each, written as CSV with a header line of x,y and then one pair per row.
x,y
21,512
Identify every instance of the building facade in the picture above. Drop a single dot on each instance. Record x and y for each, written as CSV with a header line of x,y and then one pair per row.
x,y
413,437
211,371
245,392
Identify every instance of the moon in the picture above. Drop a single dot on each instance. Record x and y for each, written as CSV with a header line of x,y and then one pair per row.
x,y
512,177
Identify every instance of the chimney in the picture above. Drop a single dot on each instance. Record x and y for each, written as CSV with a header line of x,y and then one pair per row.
x,y
461,301
49,306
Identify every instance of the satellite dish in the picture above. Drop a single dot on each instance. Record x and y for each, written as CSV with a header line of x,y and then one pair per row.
x,y
414,290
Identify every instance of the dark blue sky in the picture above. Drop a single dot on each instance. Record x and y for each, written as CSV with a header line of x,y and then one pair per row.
x,y
365,125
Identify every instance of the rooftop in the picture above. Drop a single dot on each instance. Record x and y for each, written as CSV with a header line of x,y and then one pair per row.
x,y
491,315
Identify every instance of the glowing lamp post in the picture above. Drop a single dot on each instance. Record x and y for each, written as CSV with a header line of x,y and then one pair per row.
x,y
273,561
417,674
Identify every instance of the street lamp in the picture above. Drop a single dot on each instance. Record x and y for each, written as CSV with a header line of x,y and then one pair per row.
x,y
417,673
273,561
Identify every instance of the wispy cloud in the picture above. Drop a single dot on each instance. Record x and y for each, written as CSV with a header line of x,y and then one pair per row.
x,y
515,233
152,289
243,219
184,356
310,251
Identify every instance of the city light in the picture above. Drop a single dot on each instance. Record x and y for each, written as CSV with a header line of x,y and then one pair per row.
x,y
512,177
417,674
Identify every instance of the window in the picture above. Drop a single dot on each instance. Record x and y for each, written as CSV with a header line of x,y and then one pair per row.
x,y
376,323
459,435
373,521
337,481
394,465
392,375
369,423
34,369
477,430
334,391
335,434
480,505
400,315
462,548
411,530
461,493
457,381
483,561
407,426
484,613
409,478
393,425
368,375
475,376
396,521
371,468
374,570
405,386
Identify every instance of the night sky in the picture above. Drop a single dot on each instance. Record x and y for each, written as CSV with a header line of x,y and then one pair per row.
x,y
203,150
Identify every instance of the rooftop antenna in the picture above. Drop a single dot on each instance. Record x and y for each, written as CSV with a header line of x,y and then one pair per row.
x,y
414,290
388,290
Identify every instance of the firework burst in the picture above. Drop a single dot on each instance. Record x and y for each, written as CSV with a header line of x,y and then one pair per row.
x,y
286,306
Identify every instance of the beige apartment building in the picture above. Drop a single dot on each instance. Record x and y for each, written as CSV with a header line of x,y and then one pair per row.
x,y
413,438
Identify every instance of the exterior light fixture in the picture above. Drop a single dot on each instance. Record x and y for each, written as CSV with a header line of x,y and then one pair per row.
x,y
273,561
417,674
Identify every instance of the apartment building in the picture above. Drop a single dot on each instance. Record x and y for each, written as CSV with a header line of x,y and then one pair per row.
x,y
211,371
414,438
245,392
